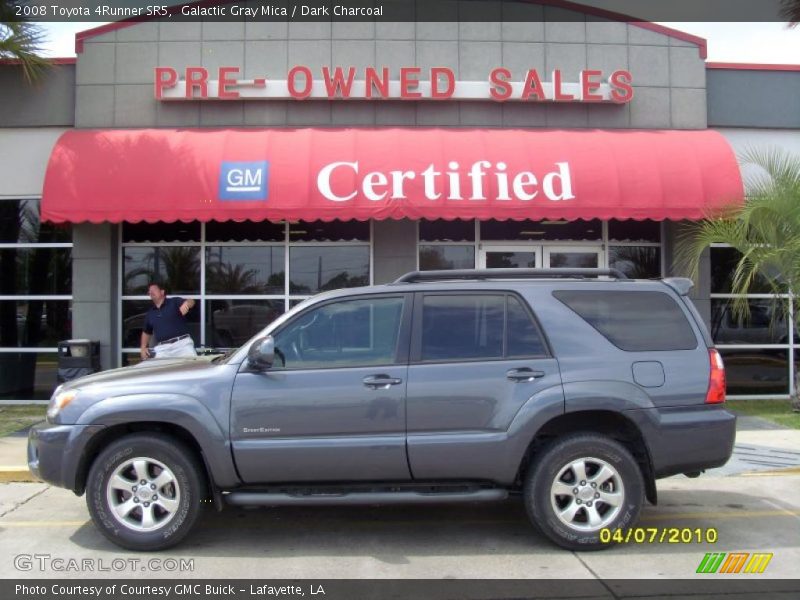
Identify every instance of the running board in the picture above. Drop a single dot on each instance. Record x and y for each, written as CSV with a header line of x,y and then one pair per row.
x,y
285,499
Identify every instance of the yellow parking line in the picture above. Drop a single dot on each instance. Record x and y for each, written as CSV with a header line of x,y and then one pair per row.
x,y
778,473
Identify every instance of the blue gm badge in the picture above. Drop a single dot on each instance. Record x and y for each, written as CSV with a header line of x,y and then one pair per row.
x,y
244,180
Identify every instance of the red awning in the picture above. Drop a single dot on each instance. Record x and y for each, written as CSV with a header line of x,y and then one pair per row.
x,y
376,173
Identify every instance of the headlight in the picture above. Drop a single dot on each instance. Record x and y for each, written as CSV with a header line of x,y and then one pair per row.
x,y
60,400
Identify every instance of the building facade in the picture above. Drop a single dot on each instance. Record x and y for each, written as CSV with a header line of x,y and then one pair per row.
x,y
84,273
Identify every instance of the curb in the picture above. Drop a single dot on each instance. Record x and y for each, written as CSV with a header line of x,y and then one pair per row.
x,y
16,475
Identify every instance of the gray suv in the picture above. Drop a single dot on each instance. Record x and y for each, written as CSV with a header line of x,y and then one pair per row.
x,y
575,389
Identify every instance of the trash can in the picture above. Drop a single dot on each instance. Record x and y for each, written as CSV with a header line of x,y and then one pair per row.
x,y
77,358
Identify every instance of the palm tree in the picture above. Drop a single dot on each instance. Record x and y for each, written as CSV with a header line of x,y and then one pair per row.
x,y
765,231
790,11
21,40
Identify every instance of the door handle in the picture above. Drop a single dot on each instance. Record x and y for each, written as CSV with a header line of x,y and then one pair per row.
x,y
380,382
523,374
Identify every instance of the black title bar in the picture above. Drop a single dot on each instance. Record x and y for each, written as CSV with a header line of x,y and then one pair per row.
x,y
395,10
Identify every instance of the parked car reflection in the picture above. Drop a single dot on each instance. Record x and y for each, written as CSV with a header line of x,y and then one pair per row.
x,y
230,323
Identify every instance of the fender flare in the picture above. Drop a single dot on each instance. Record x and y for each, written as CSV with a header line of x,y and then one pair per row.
x,y
172,409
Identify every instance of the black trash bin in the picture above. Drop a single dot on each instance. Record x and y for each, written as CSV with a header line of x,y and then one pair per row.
x,y
77,358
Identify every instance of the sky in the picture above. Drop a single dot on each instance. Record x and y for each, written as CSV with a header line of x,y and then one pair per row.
x,y
727,42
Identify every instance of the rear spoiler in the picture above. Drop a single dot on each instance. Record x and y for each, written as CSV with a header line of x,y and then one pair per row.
x,y
682,285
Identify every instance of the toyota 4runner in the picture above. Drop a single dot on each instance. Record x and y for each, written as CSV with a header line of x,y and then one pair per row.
x,y
576,389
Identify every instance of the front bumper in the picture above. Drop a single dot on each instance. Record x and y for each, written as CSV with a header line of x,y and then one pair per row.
x,y
55,452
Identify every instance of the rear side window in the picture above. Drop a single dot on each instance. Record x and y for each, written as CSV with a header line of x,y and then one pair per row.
x,y
633,321
477,326
523,335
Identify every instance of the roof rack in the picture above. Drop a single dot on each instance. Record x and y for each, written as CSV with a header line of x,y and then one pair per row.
x,y
481,274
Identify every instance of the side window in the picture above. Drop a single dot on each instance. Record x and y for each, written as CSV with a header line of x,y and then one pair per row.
x,y
462,327
523,335
633,321
351,333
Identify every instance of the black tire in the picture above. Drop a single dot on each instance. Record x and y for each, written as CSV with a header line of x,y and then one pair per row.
x,y
553,463
185,492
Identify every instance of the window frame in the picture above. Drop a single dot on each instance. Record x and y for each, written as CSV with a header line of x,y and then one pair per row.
x,y
416,333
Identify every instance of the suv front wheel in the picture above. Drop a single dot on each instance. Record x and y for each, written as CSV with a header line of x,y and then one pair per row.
x,y
144,491
580,485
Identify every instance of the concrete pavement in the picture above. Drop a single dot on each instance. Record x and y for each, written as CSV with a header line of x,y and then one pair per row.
x,y
747,514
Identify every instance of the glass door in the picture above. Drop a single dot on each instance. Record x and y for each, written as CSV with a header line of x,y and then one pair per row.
x,y
528,256
510,257
572,257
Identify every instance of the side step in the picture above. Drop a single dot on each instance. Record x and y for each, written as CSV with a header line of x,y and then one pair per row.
x,y
255,498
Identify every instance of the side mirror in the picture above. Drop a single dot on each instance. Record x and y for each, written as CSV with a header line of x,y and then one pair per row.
x,y
261,354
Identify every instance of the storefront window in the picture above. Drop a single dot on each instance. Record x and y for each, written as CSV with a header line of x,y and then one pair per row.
x,y
446,244
511,260
28,375
723,266
766,322
35,312
161,232
245,269
315,269
333,231
230,323
432,258
176,268
446,231
579,230
750,370
636,262
34,323
756,371
19,224
38,270
247,231
237,273
634,231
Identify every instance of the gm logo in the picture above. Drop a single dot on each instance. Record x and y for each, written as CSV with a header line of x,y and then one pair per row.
x,y
244,180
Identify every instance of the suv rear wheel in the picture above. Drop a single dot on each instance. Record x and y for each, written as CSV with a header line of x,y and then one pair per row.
x,y
580,485
144,491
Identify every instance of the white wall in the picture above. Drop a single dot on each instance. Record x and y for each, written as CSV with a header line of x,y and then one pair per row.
x,y
744,139
24,153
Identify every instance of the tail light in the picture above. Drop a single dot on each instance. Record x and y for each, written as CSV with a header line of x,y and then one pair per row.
x,y
716,381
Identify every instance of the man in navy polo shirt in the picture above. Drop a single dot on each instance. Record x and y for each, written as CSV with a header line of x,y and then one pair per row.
x,y
166,322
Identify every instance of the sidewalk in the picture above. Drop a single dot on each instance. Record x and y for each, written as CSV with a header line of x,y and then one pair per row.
x,y
761,446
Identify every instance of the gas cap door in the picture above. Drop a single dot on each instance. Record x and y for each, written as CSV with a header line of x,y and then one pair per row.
x,y
648,373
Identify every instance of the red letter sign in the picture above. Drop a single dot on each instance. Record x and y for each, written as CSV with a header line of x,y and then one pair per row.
x,y
166,77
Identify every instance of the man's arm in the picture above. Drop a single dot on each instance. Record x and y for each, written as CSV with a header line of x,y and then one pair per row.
x,y
143,346
186,306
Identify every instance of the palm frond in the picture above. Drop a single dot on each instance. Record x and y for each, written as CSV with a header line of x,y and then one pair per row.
x,y
23,41
765,231
790,11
